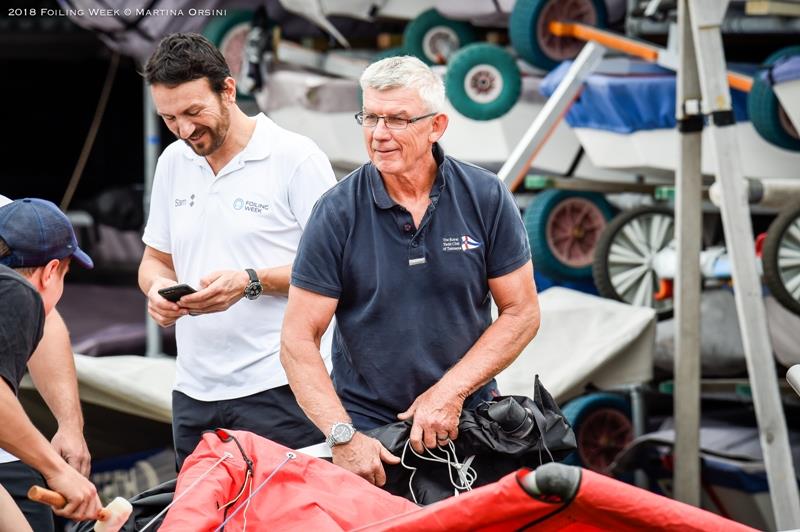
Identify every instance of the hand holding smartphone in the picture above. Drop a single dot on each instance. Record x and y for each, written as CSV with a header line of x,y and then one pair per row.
x,y
174,293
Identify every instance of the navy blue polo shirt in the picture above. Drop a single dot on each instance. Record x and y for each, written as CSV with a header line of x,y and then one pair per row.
x,y
412,300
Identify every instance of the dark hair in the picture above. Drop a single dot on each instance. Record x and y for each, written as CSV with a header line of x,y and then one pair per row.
x,y
183,57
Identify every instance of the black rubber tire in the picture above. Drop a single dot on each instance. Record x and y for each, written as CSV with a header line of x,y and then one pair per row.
x,y
578,409
522,28
417,29
218,29
535,219
494,58
776,235
600,267
764,108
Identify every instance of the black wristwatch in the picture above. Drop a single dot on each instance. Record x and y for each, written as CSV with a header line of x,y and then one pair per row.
x,y
253,288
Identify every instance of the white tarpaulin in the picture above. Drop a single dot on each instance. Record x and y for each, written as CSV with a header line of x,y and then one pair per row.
x,y
584,339
136,385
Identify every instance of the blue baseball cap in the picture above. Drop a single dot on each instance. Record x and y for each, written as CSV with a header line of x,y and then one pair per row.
x,y
36,232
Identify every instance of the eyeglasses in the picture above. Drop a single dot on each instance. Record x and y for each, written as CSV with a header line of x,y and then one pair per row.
x,y
392,122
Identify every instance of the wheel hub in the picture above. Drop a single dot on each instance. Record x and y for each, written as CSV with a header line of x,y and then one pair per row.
x,y
560,48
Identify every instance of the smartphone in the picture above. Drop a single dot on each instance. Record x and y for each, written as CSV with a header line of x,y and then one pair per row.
x,y
174,293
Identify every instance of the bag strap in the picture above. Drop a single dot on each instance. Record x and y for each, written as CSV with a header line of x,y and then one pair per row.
x,y
538,419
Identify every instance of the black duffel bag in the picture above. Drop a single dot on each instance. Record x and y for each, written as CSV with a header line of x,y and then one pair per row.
x,y
494,439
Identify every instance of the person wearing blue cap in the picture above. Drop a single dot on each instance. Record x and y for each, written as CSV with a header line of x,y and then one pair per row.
x,y
37,245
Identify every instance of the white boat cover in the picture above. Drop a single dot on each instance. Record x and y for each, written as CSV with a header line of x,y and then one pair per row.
x,y
584,339
136,385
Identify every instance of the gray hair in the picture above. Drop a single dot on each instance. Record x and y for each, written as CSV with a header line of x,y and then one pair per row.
x,y
406,72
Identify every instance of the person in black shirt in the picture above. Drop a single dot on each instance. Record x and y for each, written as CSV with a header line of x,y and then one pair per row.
x,y
37,245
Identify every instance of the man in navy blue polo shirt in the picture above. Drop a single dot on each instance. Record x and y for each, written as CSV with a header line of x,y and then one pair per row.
x,y
407,252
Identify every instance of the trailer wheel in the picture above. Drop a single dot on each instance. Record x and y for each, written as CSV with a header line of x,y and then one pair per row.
x,y
766,113
603,427
482,81
622,267
781,258
229,34
434,38
531,37
564,228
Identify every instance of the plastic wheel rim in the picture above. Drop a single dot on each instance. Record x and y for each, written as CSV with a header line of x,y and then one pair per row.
x,y
786,123
561,48
232,47
573,229
483,83
789,259
630,257
601,436
439,43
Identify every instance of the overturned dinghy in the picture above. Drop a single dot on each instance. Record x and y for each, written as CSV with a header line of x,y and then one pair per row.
x,y
235,474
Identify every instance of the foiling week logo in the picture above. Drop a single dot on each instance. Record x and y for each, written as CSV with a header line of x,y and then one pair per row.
x,y
250,206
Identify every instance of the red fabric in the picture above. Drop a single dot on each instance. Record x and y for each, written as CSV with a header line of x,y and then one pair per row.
x,y
308,494
602,503
305,494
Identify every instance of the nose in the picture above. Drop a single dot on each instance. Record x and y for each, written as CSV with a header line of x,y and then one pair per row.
x,y
380,131
185,128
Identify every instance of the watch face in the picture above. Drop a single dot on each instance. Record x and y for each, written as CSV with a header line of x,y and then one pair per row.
x,y
342,433
253,290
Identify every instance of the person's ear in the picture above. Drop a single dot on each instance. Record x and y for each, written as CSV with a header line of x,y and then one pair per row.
x,y
229,92
439,123
50,273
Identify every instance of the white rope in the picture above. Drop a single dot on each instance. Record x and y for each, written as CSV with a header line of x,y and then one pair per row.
x,y
289,456
224,457
466,474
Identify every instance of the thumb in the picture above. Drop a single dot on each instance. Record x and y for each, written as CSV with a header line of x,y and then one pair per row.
x,y
388,458
408,414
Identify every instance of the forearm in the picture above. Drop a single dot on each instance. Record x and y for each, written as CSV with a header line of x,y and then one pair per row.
x,y
19,437
52,368
495,350
275,280
311,384
153,268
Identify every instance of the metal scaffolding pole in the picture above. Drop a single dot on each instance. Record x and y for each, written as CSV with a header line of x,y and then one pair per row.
x,y
705,18
152,143
688,229
521,158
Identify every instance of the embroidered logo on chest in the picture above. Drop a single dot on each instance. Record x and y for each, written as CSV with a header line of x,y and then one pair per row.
x,y
181,202
254,207
459,243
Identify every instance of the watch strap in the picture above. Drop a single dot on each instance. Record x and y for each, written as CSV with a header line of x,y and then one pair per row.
x,y
253,275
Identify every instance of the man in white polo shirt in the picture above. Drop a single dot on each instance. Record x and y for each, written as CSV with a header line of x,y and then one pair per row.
x,y
229,203
52,369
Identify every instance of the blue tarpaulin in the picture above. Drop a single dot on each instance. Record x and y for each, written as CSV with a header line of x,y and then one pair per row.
x,y
787,69
627,103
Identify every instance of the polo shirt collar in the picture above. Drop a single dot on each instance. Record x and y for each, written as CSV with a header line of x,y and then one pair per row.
x,y
381,197
258,147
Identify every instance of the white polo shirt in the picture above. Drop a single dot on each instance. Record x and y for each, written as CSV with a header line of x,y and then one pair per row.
x,y
250,215
5,456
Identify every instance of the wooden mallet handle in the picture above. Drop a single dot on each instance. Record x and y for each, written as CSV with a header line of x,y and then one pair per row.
x,y
56,500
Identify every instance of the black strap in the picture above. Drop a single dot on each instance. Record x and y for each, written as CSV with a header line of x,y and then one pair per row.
x,y
723,118
691,124
541,424
253,275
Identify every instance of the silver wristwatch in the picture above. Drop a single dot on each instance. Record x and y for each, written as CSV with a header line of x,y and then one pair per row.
x,y
341,433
